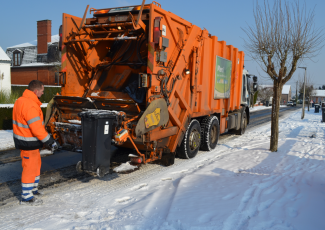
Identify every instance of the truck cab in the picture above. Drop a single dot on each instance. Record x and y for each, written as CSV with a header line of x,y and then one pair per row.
x,y
248,88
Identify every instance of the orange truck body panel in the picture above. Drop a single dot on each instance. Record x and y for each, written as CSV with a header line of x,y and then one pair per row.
x,y
87,46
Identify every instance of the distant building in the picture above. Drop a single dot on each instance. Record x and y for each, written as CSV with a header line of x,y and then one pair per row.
x,y
36,60
5,76
285,95
318,96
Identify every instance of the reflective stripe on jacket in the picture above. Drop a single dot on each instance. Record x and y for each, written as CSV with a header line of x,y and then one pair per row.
x,y
28,126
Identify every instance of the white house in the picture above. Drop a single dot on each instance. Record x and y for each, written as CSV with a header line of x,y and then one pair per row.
x,y
5,73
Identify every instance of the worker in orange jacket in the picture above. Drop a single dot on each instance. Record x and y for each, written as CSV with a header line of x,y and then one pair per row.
x,y
29,136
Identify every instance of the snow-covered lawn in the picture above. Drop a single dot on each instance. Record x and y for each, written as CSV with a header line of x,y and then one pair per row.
x,y
261,107
240,185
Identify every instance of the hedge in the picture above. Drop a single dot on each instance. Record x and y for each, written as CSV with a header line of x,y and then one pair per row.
x,y
6,113
49,92
6,117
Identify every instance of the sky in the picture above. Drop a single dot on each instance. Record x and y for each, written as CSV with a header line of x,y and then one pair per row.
x,y
238,185
224,19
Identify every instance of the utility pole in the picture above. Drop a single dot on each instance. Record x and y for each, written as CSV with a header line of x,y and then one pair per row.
x,y
303,99
296,92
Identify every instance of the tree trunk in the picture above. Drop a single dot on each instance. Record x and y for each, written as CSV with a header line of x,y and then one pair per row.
x,y
277,89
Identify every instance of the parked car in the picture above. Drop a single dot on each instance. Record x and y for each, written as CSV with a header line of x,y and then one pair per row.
x,y
289,103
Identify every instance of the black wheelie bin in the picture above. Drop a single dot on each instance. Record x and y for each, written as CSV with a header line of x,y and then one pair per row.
x,y
97,131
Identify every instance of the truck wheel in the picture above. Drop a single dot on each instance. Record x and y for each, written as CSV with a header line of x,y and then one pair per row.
x,y
243,124
192,140
210,131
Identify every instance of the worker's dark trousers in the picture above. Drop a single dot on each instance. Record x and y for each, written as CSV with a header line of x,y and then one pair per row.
x,y
31,162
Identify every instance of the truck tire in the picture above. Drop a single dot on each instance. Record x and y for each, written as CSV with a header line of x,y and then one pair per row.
x,y
191,142
243,124
210,131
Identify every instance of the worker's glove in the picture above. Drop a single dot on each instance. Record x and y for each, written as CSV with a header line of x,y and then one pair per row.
x,y
54,146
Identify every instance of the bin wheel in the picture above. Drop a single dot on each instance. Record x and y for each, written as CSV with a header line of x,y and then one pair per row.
x,y
243,125
101,171
79,167
191,142
210,131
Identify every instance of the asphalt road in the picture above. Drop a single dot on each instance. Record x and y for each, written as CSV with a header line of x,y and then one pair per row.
x,y
261,117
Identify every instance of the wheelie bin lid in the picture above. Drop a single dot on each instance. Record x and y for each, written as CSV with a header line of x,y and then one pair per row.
x,y
95,113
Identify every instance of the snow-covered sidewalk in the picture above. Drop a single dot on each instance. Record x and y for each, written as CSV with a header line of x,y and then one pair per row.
x,y
240,185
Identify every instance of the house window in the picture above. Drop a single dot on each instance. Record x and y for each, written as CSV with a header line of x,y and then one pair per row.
x,y
17,58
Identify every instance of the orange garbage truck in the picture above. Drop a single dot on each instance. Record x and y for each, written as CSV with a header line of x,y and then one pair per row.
x,y
143,78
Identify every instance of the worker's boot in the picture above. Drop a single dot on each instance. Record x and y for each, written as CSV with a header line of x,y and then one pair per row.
x,y
37,193
33,202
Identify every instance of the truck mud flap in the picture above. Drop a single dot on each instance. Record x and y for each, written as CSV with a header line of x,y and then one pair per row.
x,y
155,115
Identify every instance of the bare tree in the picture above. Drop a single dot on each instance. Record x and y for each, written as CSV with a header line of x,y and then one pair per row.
x,y
283,35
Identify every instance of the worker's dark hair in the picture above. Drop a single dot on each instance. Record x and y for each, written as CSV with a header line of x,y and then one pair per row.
x,y
35,84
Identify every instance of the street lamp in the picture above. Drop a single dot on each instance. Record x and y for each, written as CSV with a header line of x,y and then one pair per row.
x,y
303,99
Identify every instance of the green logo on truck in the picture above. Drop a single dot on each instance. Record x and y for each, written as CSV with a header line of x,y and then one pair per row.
x,y
222,78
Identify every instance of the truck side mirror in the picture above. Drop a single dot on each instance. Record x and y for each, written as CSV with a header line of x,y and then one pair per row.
x,y
254,87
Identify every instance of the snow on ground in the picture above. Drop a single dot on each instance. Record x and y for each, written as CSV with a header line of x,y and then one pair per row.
x,y
260,107
240,185
125,167
6,140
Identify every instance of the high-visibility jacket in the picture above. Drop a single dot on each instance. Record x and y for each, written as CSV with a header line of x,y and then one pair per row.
x,y
28,127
